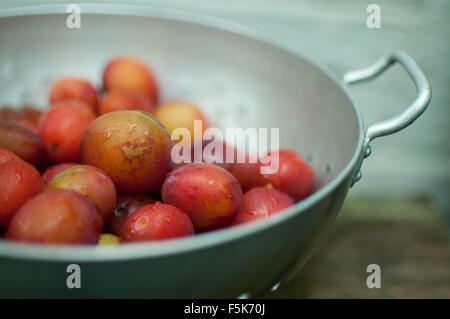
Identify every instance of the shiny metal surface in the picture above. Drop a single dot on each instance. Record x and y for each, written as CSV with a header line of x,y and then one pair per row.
x,y
411,114
240,79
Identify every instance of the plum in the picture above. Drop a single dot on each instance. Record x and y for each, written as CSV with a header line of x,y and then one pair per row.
x,y
27,124
208,193
211,155
91,182
27,116
247,174
208,153
180,114
293,177
73,88
156,222
62,127
56,216
7,113
125,206
260,203
108,239
122,100
26,112
129,73
21,141
6,156
55,169
30,114
19,181
132,147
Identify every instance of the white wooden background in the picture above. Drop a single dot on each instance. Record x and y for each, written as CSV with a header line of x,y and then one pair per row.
x,y
412,162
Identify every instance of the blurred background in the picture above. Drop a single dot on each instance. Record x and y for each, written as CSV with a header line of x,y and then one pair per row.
x,y
398,216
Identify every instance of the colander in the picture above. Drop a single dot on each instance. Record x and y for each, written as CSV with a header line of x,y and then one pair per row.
x,y
240,78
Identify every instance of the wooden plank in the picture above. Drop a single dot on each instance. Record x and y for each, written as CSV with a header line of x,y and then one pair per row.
x,y
406,237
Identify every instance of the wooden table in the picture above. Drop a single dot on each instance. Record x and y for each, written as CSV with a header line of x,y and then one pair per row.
x,y
406,237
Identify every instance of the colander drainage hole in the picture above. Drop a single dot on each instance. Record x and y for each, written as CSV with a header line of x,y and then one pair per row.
x,y
245,295
275,287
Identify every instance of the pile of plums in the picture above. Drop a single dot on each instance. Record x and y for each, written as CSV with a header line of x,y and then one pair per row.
x,y
96,168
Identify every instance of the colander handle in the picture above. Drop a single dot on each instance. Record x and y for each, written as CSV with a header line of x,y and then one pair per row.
x,y
398,122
